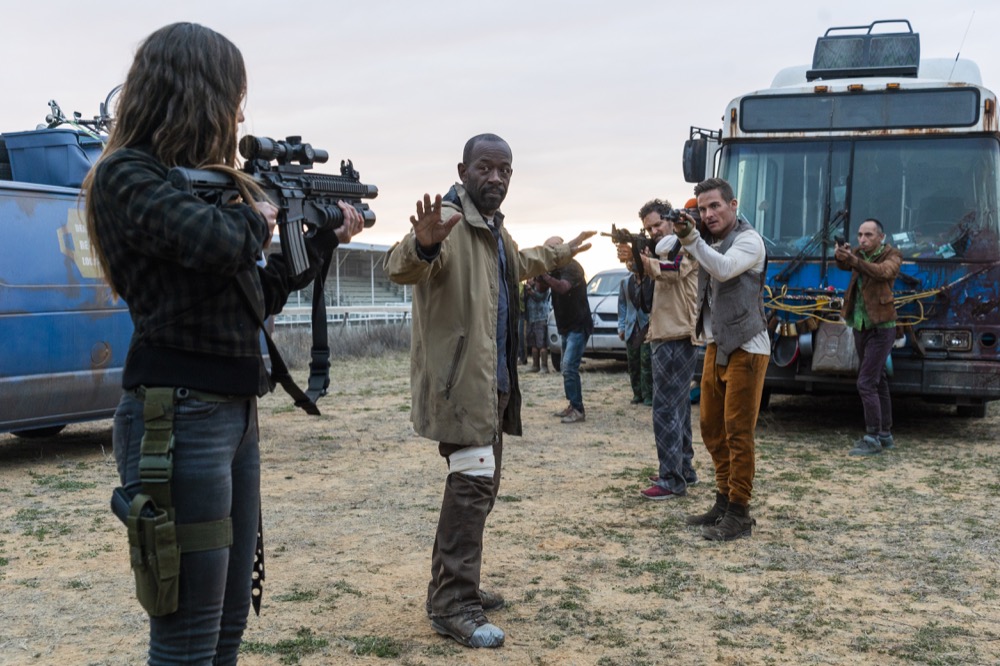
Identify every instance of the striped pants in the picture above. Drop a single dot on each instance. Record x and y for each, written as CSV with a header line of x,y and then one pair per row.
x,y
673,370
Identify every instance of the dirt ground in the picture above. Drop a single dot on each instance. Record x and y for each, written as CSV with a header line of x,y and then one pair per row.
x,y
890,560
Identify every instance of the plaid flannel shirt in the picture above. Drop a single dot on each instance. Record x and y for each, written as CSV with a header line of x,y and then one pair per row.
x,y
174,260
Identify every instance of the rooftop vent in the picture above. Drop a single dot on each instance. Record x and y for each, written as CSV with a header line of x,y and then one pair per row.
x,y
839,56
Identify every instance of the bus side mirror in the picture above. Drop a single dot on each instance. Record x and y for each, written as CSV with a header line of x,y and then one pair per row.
x,y
695,160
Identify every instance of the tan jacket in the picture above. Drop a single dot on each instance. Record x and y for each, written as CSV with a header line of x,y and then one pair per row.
x,y
675,299
453,351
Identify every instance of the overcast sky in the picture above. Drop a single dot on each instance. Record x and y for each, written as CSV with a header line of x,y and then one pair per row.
x,y
595,98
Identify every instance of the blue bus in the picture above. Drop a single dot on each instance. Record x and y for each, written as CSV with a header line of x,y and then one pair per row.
x,y
64,336
872,130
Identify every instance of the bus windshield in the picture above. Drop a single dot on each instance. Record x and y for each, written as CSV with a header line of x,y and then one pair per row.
x,y
936,197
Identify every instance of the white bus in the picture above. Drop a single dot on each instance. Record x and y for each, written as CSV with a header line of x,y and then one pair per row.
x,y
871,130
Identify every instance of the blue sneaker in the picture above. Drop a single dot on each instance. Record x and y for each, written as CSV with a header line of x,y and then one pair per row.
x,y
887,442
470,629
866,446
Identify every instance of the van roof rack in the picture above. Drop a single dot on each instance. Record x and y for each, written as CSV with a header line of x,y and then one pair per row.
x,y
867,54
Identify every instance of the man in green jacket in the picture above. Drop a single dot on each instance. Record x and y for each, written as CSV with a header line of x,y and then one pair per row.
x,y
465,268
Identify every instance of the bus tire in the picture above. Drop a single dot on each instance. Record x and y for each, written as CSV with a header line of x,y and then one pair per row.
x,y
972,411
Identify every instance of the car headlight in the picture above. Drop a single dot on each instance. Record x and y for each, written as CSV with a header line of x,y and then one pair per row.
x,y
945,340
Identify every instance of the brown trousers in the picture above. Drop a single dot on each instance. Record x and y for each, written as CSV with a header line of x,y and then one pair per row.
x,y
730,402
457,556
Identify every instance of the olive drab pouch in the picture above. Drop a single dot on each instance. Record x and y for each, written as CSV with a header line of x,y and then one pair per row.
x,y
155,556
155,539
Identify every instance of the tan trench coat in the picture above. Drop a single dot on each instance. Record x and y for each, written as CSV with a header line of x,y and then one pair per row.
x,y
453,351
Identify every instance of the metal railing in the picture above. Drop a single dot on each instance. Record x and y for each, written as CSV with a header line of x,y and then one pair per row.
x,y
347,315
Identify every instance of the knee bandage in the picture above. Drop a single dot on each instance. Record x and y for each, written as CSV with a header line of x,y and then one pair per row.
x,y
473,460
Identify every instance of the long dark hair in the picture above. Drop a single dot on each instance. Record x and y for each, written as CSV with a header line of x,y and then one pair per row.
x,y
180,100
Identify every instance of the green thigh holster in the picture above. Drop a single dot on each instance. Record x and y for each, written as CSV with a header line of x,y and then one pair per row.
x,y
155,540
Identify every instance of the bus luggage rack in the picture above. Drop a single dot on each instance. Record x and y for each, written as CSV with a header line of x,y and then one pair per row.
x,y
839,56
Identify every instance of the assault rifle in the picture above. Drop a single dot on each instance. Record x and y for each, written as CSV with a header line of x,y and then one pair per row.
x,y
639,242
307,202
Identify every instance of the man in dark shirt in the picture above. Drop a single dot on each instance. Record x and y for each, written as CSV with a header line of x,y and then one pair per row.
x,y
574,323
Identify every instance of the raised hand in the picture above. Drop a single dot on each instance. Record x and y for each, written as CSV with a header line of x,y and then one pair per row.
x,y
428,226
577,245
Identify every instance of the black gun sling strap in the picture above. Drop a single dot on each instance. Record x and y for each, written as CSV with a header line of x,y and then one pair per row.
x,y
319,365
319,376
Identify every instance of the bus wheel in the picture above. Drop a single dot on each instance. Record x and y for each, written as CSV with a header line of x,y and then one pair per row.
x,y
39,433
972,411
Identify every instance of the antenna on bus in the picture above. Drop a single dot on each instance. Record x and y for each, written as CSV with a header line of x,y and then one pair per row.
x,y
954,64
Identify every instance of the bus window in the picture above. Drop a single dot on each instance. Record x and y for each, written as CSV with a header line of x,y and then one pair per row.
x,y
935,197
787,190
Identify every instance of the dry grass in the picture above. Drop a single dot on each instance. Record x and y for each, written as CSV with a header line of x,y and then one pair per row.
x,y
888,561
357,341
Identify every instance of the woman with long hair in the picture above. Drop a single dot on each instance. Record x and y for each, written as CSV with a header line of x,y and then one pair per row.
x,y
179,264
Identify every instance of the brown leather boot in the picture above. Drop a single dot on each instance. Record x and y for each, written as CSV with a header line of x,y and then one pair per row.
x,y
713,515
736,524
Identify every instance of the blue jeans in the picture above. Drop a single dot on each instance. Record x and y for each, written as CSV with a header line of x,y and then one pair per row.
x,y
216,473
572,353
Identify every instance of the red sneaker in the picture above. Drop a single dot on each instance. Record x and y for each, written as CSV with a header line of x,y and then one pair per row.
x,y
658,493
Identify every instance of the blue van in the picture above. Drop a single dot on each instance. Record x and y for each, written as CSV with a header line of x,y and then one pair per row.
x,y
65,336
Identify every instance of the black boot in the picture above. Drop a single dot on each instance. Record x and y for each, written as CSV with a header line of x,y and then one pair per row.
x,y
735,524
714,515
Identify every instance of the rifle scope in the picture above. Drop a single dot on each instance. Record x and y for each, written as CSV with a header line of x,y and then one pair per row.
x,y
285,152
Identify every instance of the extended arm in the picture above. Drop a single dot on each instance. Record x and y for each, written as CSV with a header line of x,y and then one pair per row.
x,y
557,285
886,270
746,253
